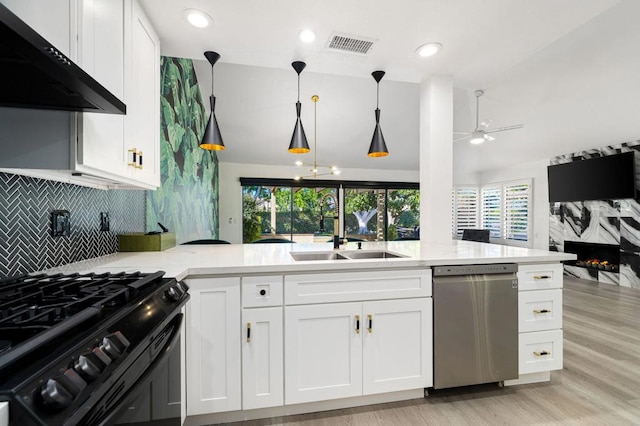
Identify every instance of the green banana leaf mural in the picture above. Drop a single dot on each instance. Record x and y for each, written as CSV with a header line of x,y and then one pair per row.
x,y
187,200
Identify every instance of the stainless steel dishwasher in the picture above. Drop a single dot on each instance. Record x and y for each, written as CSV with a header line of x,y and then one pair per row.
x,y
475,324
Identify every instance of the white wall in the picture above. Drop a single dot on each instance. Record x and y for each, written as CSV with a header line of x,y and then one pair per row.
x,y
536,170
230,192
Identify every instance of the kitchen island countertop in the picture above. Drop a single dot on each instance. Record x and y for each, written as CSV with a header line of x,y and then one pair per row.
x,y
192,260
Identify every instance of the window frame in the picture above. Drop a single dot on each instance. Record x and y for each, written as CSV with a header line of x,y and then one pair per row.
x,y
499,237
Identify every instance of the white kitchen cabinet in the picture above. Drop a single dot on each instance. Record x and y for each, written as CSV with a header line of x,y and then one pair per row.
x,y
323,352
52,22
142,130
213,356
540,348
262,358
351,349
101,53
398,349
113,41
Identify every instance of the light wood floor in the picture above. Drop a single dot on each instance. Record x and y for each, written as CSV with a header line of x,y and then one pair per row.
x,y
600,383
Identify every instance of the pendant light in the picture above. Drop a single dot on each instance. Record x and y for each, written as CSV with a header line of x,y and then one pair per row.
x,y
212,139
299,144
378,148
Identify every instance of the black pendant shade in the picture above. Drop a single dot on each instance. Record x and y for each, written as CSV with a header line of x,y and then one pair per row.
x,y
299,144
378,147
212,139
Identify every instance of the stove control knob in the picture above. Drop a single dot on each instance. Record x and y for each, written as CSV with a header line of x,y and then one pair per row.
x,y
88,366
115,344
54,395
174,293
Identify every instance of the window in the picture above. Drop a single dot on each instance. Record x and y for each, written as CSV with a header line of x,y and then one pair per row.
x,y
465,211
516,210
491,207
503,208
303,211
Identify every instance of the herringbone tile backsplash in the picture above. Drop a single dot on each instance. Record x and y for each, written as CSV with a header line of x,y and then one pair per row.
x,y
26,244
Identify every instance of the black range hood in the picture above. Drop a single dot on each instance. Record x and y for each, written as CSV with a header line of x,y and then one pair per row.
x,y
34,74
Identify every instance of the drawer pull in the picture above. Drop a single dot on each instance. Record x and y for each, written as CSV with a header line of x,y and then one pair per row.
x,y
370,318
542,311
543,353
248,332
357,324
132,157
541,277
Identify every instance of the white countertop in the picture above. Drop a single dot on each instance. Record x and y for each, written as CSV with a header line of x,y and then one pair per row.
x,y
189,260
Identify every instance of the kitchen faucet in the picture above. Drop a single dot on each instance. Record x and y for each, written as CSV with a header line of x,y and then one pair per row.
x,y
336,218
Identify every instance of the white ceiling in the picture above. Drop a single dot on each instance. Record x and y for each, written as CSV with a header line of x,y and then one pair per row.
x,y
553,65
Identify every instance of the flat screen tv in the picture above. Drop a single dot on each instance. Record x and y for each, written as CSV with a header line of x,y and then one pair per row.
x,y
602,178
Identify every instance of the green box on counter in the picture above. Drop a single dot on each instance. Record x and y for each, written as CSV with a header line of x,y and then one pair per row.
x,y
146,242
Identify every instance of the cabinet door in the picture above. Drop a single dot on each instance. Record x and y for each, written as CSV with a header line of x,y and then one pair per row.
x,y
101,42
143,98
323,352
213,346
397,345
53,21
262,358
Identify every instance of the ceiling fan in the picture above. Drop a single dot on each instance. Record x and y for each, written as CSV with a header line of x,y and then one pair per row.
x,y
481,132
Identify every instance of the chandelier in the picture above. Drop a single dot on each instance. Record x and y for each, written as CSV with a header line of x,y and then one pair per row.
x,y
314,168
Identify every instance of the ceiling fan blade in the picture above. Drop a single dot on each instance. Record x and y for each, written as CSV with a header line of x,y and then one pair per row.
x,y
461,133
461,138
486,123
502,129
489,138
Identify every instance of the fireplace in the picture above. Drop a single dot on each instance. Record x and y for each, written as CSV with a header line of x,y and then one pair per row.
x,y
604,257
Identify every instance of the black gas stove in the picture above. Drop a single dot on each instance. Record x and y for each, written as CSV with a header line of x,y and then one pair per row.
x,y
76,348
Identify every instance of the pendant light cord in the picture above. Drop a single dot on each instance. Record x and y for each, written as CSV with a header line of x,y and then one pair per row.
x,y
211,80
315,137
298,87
377,94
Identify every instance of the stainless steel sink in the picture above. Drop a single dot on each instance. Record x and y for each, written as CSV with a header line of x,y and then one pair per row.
x,y
343,255
370,254
317,255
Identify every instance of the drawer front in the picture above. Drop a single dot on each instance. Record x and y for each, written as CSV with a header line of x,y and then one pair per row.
x,y
540,351
262,291
539,310
540,277
357,286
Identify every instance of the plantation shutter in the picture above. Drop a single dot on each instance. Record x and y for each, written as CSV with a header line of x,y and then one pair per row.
x,y
516,211
490,209
465,209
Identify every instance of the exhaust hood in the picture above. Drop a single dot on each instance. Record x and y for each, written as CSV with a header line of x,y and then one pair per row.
x,y
36,75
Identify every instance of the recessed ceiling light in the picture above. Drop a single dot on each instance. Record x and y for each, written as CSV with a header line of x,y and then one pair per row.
x,y
307,36
428,49
197,18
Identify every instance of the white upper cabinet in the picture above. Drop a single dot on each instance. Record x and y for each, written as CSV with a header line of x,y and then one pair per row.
x,y
113,41
53,22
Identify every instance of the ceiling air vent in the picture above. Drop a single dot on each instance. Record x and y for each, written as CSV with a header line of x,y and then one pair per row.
x,y
350,43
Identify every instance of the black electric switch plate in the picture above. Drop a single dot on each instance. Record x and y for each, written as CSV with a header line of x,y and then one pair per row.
x,y
60,223
104,221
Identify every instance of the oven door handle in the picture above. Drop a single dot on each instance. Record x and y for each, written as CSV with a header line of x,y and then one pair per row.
x,y
115,412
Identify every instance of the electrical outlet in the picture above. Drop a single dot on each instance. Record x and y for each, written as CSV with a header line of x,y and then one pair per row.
x,y
60,223
104,221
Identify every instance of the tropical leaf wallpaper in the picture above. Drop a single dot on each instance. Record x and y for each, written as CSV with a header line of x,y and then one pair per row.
x,y
187,200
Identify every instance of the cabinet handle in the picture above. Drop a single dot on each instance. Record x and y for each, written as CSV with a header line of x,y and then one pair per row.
x,y
248,332
542,311
357,324
132,157
370,319
543,353
541,277
139,165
